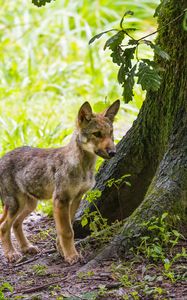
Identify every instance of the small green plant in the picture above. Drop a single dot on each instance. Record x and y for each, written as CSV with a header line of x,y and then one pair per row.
x,y
125,280
45,234
153,292
6,286
137,287
118,182
135,295
95,219
154,261
39,270
88,274
159,238
55,290
157,245
168,263
102,290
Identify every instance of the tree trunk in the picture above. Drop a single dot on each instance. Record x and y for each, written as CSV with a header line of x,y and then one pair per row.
x,y
154,151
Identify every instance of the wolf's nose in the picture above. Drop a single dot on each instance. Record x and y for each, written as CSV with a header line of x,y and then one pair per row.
x,y
111,153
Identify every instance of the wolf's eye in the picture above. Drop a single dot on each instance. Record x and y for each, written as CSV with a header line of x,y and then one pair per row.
x,y
97,134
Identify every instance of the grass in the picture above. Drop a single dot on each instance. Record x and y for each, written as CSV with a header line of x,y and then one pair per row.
x,y
47,68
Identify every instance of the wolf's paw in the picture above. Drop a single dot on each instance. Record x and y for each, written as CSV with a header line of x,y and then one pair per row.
x,y
73,259
13,256
30,249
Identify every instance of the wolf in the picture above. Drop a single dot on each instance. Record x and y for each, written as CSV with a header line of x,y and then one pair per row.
x,y
64,174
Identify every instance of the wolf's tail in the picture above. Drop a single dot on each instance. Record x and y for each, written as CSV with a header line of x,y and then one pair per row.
x,y
3,216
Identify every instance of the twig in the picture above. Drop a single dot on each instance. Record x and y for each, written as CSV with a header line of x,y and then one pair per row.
x,y
96,278
35,257
85,240
65,279
113,285
27,261
41,287
50,251
172,21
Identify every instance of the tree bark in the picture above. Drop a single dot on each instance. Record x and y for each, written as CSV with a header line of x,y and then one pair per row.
x,y
154,151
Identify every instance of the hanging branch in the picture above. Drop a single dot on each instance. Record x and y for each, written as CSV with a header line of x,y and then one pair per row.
x,y
131,67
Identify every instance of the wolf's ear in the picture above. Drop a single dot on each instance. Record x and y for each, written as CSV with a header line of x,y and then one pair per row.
x,y
85,113
112,110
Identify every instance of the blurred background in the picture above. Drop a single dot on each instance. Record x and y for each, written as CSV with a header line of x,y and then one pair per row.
x,y
47,68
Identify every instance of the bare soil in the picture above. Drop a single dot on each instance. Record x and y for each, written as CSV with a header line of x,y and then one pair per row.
x,y
47,276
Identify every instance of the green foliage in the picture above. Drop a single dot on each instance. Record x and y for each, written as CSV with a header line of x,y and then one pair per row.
x,y
44,54
85,275
118,182
148,77
123,55
102,290
158,244
158,50
6,286
93,195
160,236
138,287
39,270
40,3
97,36
153,264
94,218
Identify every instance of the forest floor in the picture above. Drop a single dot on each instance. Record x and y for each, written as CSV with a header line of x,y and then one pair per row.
x,y
47,276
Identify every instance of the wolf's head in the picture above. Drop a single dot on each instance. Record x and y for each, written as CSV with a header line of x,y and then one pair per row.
x,y
95,131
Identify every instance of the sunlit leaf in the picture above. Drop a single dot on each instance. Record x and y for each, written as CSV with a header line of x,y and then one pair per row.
x,y
128,12
97,36
148,77
117,56
115,40
84,222
128,56
128,85
160,52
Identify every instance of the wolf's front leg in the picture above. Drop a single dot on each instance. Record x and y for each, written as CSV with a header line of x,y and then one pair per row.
x,y
65,234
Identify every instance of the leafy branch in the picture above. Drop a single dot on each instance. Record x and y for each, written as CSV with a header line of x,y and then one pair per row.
x,y
40,3
132,67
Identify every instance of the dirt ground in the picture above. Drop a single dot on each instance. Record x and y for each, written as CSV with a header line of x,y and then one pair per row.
x,y
47,276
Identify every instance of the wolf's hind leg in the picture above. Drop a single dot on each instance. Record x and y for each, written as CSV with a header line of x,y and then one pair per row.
x,y
5,233
25,245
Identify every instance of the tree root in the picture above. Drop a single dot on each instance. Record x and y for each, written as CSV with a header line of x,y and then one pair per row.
x,y
167,193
